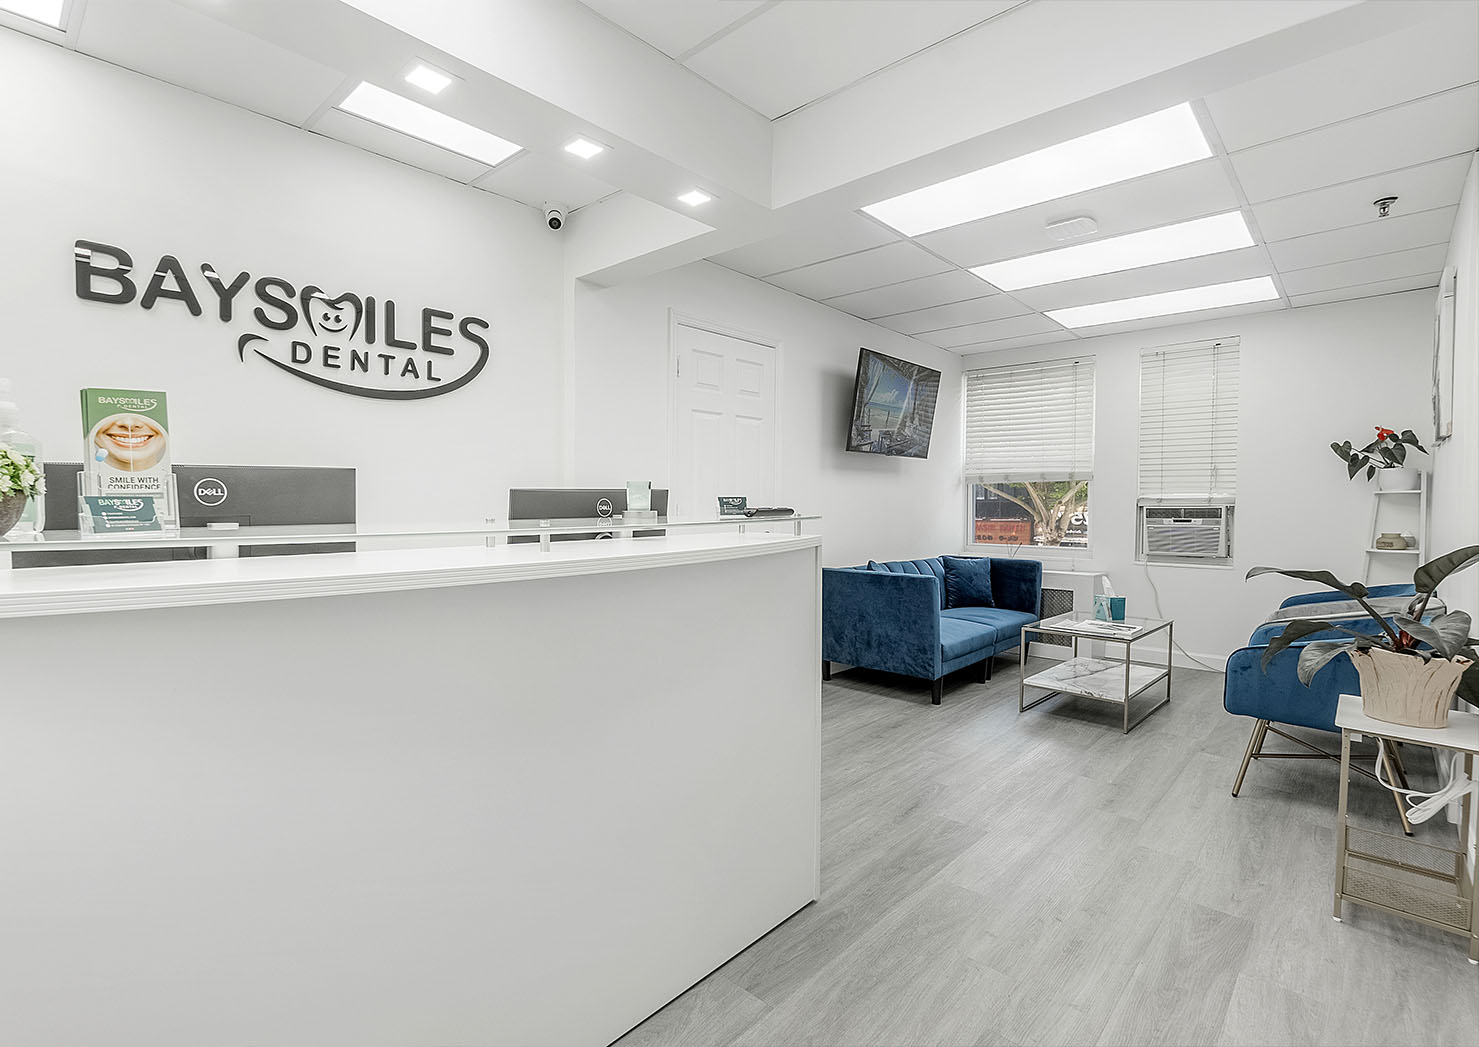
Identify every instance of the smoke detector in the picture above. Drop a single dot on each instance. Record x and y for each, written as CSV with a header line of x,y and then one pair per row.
x,y
1384,206
1072,228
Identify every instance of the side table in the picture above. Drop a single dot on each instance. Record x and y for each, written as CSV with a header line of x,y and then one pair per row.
x,y
1433,885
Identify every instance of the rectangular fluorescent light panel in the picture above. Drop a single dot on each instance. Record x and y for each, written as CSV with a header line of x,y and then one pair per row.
x,y
584,148
389,109
430,80
1162,140
695,198
1213,296
1170,243
47,12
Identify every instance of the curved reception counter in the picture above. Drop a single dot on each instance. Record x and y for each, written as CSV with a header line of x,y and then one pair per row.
x,y
408,797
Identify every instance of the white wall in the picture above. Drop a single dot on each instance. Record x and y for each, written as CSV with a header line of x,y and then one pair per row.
x,y
875,507
95,152
1309,376
1456,466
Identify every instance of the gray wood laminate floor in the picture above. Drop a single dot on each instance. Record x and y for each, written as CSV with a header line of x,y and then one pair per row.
x,y
996,878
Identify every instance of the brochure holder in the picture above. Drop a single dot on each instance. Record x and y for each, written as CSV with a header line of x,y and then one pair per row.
x,y
166,507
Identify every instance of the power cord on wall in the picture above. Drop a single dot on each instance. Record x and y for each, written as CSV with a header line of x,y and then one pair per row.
x,y
1156,596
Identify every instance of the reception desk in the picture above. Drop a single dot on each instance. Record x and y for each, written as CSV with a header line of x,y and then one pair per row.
x,y
408,797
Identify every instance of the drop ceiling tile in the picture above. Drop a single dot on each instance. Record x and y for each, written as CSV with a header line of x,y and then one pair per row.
x,y
1177,195
1393,138
183,47
952,286
1025,341
1419,188
673,26
362,133
1395,233
1381,287
846,235
794,53
994,331
1175,319
1366,270
535,179
1243,264
1437,54
890,264
956,314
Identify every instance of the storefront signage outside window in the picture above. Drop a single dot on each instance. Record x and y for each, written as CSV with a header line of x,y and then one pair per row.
x,y
351,343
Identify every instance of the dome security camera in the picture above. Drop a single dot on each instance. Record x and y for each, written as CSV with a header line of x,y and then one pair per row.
x,y
554,216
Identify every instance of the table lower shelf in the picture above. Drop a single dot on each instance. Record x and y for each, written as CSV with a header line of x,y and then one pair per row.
x,y
1100,678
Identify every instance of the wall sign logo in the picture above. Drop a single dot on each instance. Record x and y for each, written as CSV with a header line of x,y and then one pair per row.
x,y
349,342
210,491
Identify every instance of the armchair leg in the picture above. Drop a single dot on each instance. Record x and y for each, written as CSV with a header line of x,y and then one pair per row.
x,y
988,666
826,669
1255,747
937,691
983,671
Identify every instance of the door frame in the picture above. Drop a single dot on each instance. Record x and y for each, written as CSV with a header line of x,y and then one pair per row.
x,y
677,319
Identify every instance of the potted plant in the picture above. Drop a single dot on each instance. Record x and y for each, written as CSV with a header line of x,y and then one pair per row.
x,y
1387,454
1410,672
19,480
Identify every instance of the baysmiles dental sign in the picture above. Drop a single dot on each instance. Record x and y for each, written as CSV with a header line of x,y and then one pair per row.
x,y
347,342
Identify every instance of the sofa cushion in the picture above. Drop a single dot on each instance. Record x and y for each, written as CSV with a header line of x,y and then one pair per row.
x,y
932,567
967,581
1006,625
959,637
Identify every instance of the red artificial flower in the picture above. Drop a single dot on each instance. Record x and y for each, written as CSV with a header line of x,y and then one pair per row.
x,y
1382,434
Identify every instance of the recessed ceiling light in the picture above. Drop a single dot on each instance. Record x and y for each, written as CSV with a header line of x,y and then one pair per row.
x,y
1170,243
1239,292
47,12
412,118
432,81
584,148
695,198
1169,138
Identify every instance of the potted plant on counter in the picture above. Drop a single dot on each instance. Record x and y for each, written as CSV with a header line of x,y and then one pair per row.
x,y
19,480
1387,454
1410,670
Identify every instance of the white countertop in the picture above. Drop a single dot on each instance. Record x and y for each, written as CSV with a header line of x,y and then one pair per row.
x,y
80,590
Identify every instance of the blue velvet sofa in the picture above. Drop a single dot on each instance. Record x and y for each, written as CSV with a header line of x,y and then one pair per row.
x,y
892,616
1277,696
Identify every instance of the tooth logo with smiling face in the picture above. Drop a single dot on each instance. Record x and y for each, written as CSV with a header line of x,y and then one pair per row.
x,y
331,317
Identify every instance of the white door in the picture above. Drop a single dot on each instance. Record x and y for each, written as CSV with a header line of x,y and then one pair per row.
x,y
727,425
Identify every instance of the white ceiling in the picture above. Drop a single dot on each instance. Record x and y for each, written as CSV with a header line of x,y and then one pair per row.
x,y
1303,153
1302,150
779,55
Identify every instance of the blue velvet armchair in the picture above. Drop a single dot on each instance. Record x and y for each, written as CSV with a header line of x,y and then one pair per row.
x,y
892,616
1277,696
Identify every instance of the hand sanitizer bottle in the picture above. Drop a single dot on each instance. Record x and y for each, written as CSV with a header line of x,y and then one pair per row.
x,y
33,519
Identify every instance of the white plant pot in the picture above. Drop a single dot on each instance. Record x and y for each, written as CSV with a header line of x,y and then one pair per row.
x,y
1404,689
1397,479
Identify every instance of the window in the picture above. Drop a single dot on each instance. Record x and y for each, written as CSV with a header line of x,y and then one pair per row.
x,y
1029,452
1188,452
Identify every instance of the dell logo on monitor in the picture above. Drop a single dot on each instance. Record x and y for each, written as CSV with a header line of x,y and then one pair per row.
x,y
210,491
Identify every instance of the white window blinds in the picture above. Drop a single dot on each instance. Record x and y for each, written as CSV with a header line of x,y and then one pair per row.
x,y
1189,421
1030,422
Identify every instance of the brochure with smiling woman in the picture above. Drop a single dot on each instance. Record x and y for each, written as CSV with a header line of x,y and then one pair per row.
x,y
126,443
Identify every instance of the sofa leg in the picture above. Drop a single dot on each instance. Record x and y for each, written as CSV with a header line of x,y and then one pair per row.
x,y
937,691
983,670
988,666
1255,746
826,669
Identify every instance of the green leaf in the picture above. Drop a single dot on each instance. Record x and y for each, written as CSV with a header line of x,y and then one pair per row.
x,y
1398,453
1371,472
1468,683
1314,656
1427,577
1352,589
1446,633
1295,630
1409,437
1353,466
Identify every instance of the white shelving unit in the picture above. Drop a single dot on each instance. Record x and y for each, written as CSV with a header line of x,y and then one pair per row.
x,y
1417,555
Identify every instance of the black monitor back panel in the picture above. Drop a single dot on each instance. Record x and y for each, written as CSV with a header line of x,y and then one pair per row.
x,y
529,505
249,495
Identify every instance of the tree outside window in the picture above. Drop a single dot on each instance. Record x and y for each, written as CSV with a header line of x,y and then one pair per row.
x,y
1041,513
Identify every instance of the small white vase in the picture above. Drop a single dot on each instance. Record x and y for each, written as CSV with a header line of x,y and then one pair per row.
x,y
1397,479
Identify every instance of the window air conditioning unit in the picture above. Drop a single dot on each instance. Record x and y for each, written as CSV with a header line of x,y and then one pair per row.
x,y
1184,533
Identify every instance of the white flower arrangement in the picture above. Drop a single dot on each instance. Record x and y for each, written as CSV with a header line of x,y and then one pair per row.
x,y
19,475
